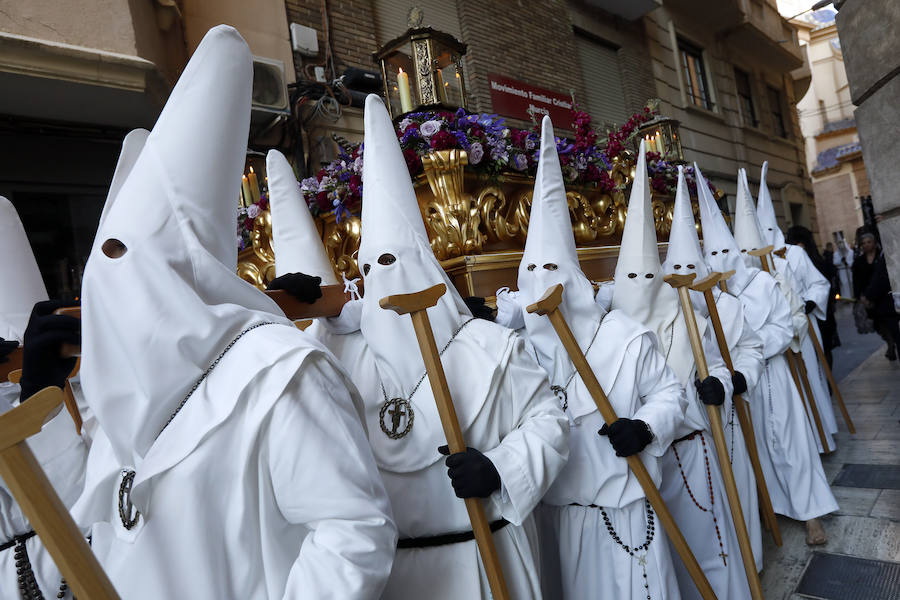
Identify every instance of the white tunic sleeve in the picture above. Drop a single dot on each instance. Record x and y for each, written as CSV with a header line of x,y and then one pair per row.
x,y
777,331
715,364
324,477
747,355
536,448
662,397
813,285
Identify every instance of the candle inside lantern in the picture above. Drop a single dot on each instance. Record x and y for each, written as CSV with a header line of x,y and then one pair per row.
x,y
403,88
254,185
441,85
657,142
245,190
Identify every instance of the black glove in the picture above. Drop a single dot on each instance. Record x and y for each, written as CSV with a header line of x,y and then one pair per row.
x,y
6,347
479,309
711,391
810,306
42,365
627,436
472,474
739,383
303,287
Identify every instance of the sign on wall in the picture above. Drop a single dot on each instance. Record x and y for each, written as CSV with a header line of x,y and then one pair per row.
x,y
517,99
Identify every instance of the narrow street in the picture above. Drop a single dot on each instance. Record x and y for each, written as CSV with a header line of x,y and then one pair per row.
x,y
865,477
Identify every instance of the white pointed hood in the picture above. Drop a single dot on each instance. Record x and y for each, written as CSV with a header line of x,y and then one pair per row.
x,y
721,251
298,246
395,256
746,226
549,258
683,255
22,284
640,291
155,318
768,224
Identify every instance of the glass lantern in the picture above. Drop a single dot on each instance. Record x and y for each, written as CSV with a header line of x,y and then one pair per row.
x,y
661,135
422,69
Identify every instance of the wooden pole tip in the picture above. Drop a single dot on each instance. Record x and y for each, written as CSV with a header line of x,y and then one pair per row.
x,y
548,302
707,283
417,301
761,251
677,281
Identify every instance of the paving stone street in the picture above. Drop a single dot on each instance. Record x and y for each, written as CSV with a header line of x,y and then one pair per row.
x,y
867,525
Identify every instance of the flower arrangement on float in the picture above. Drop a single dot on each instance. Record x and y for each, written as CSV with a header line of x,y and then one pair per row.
x,y
493,148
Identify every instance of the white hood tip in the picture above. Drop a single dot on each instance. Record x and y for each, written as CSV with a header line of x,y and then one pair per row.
x,y
298,246
23,285
639,252
768,224
746,226
684,255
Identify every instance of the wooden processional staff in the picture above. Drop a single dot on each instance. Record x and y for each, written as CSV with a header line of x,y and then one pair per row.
x,y
821,354
416,305
39,501
549,305
796,365
682,283
741,409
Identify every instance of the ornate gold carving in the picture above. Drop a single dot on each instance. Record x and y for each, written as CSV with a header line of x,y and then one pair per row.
x,y
424,75
503,220
342,244
257,263
452,217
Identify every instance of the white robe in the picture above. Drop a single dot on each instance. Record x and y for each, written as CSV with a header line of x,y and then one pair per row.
x,y
62,454
579,558
262,487
745,348
511,416
784,438
812,285
701,469
843,261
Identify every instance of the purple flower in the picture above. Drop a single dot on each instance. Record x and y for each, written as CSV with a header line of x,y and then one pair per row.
x,y
310,184
462,139
253,211
520,162
476,153
429,128
408,135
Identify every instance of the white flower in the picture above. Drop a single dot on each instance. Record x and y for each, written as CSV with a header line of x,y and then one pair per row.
x,y
358,164
429,128
253,211
405,123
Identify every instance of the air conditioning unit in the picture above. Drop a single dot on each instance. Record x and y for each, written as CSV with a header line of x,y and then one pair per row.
x,y
270,94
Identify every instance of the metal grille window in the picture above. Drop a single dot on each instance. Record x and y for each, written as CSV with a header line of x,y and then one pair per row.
x,y
695,80
777,115
745,98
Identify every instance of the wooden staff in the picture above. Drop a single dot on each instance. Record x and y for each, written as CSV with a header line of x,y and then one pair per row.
x,y
682,284
39,502
549,305
796,364
416,305
740,407
834,387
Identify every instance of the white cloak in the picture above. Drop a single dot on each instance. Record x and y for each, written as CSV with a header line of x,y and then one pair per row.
x,y
579,558
507,411
784,437
745,348
262,487
699,470
62,454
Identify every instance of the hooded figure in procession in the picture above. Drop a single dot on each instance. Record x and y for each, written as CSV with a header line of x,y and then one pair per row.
x,y
596,508
692,484
684,257
797,272
212,474
26,568
784,436
516,433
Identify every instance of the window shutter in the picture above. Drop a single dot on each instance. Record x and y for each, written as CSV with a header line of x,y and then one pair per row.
x,y
605,99
391,17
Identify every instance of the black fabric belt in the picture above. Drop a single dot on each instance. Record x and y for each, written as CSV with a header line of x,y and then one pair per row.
x,y
585,505
689,436
15,540
446,538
